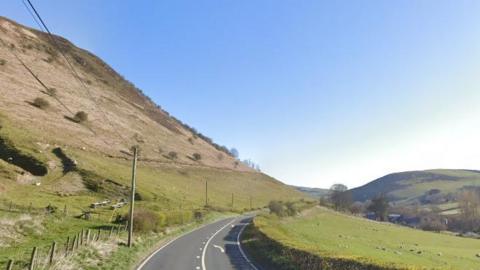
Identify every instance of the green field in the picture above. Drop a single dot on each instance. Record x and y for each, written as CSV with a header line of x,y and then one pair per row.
x,y
171,190
334,235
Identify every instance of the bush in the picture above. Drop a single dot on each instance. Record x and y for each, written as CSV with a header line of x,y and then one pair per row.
x,y
277,208
3,62
145,220
41,103
197,156
292,209
172,155
80,117
52,92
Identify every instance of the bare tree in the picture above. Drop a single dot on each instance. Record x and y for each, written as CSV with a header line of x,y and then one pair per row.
x,y
340,197
469,203
357,208
379,206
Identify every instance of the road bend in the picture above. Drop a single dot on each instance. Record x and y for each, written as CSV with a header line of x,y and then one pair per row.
x,y
215,246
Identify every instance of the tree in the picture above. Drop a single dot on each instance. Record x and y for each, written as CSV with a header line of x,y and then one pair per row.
x,y
379,206
172,155
80,117
234,153
340,197
357,208
469,203
197,156
276,208
40,103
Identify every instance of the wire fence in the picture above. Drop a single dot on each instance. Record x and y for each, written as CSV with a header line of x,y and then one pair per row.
x,y
45,257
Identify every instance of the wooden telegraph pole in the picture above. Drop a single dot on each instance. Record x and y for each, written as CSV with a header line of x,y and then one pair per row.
x,y
132,197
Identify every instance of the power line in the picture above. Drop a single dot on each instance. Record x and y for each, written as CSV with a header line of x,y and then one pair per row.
x,y
39,80
70,65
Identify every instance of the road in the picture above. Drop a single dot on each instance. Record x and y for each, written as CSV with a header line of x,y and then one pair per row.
x,y
212,247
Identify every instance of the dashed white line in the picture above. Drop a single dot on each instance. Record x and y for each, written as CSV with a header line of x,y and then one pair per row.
x,y
142,264
210,239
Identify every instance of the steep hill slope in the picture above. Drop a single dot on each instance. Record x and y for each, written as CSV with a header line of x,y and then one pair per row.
x,y
46,156
413,185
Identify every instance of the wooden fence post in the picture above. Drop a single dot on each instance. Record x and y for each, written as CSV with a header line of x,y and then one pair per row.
x,y
111,232
9,264
32,259
88,237
11,206
82,235
73,242
65,210
78,241
52,252
67,245
98,235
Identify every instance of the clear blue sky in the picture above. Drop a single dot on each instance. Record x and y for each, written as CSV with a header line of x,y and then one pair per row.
x,y
316,92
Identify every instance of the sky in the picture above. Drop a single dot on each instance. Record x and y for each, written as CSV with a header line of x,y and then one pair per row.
x,y
316,92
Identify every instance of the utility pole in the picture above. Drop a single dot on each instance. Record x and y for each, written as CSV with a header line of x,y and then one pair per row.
x,y
206,192
132,197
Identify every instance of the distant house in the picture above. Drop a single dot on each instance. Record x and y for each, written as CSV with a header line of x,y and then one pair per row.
x,y
394,218
397,219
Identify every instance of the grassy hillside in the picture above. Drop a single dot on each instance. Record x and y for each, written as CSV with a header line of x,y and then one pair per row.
x,y
337,237
412,185
47,158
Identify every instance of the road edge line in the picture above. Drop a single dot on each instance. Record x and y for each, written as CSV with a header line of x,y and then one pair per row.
x,y
241,249
142,264
210,239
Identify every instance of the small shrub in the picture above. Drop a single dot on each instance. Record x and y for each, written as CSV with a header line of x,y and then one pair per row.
x,y
145,221
197,156
277,208
80,117
292,209
52,92
3,62
190,140
40,103
220,156
172,155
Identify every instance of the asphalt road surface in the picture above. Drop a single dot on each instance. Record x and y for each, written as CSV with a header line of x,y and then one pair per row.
x,y
212,247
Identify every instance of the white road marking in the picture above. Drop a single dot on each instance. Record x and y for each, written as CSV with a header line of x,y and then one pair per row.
x,y
210,239
219,247
198,267
241,250
168,243
198,257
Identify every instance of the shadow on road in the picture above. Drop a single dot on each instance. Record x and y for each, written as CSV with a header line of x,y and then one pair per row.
x,y
232,250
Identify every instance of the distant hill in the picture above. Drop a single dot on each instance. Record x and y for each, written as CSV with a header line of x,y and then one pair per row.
x,y
313,192
414,185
